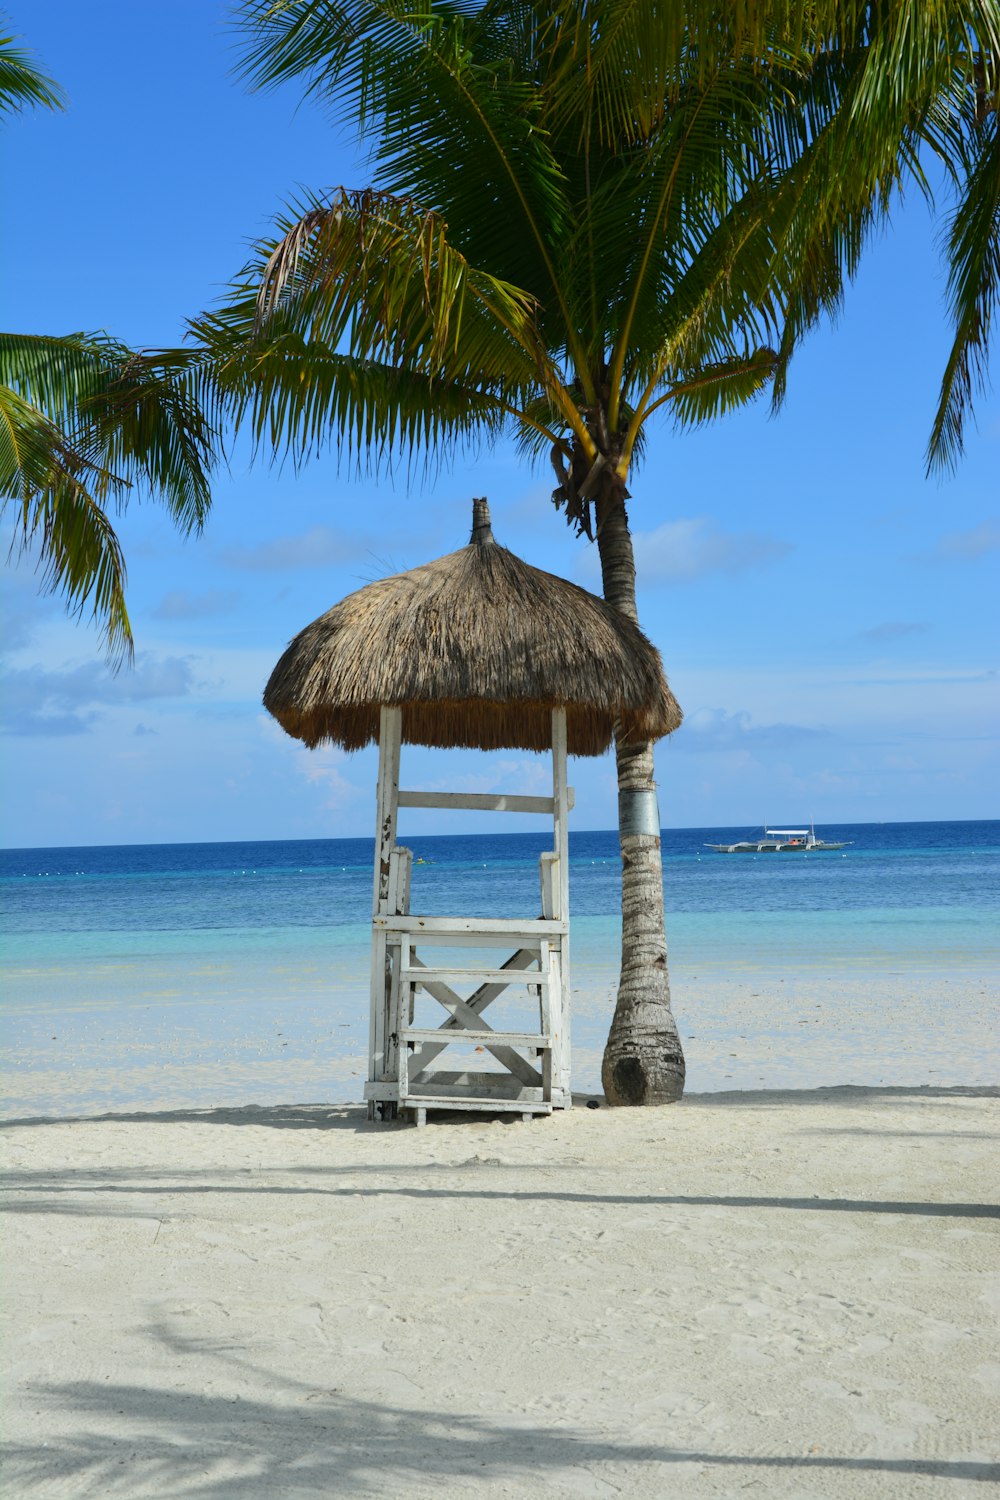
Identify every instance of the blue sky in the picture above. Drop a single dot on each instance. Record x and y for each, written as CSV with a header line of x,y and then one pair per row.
x,y
826,614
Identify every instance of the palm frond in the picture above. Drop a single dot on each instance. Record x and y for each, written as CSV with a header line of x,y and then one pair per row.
x,y
60,521
364,300
126,413
88,423
712,390
585,206
455,123
300,397
380,271
974,295
22,86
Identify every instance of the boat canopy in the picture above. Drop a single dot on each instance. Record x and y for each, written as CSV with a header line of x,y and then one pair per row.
x,y
786,833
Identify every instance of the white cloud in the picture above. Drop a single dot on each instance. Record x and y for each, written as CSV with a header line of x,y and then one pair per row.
x,y
715,729
891,630
321,768
967,546
318,547
66,701
681,551
181,605
522,778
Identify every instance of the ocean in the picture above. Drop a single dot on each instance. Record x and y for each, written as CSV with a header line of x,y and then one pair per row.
x,y
192,975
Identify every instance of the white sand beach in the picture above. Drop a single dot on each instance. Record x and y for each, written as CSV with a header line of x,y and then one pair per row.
x,y
782,1293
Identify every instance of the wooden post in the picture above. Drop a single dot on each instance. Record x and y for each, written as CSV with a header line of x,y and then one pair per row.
x,y
561,803
390,734
560,810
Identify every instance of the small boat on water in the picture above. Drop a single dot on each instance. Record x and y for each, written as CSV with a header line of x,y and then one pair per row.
x,y
780,841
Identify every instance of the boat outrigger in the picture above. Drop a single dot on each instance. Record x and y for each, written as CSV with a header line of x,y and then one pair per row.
x,y
780,841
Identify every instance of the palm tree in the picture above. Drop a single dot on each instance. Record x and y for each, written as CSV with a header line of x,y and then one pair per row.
x,y
84,422
583,213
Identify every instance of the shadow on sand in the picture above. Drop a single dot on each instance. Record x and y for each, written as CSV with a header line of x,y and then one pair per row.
x,y
304,1441
353,1116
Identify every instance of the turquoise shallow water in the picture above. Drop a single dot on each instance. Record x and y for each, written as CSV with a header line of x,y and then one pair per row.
x,y
239,971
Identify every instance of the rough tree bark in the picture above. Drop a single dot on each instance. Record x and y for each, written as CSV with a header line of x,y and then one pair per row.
x,y
643,1060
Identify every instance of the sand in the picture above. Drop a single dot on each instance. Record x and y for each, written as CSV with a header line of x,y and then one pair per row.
x,y
779,1293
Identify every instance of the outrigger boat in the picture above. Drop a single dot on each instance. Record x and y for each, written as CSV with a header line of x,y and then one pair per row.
x,y
780,841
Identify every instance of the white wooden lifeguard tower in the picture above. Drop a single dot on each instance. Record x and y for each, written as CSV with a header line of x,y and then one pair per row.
x,y
534,1065
476,649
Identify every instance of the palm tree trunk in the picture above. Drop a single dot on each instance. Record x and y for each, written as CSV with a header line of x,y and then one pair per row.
x,y
643,1059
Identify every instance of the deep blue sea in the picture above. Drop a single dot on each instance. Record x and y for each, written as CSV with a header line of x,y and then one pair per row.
x,y
199,956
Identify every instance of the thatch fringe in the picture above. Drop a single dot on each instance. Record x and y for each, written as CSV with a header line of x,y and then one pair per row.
x,y
476,648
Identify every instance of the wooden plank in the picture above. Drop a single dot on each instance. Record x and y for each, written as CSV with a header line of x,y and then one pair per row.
x,y
466,1034
544,995
436,929
504,1096
504,941
488,1086
558,1062
478,1106
548,875
402,997
470,1083
389,1093
483,801
382,1089
378,1007
400,871
473,971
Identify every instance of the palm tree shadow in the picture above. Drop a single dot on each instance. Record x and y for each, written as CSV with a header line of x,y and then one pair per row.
x,y
350,1117
353,1117
154,1193
324,1442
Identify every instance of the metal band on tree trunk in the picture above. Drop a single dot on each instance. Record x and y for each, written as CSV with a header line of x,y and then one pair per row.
x,y
638,811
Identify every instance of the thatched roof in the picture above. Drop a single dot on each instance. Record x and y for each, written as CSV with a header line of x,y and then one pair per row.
x,y
476,648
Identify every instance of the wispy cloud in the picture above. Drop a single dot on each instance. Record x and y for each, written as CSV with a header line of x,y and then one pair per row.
x,y
891,630
321,768
29,722
516,777
179,604
681,551
318,547
967,546
920,678
67,702
715,729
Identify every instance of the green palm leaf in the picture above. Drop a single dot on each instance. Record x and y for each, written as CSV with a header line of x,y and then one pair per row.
x,y
60,520
974,281
88,422
363,300
21,84
669,186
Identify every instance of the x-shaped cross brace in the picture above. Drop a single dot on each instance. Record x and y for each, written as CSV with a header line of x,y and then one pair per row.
x,y
467,1015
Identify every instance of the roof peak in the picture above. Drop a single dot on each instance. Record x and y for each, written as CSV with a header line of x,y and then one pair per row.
x,y
482,531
